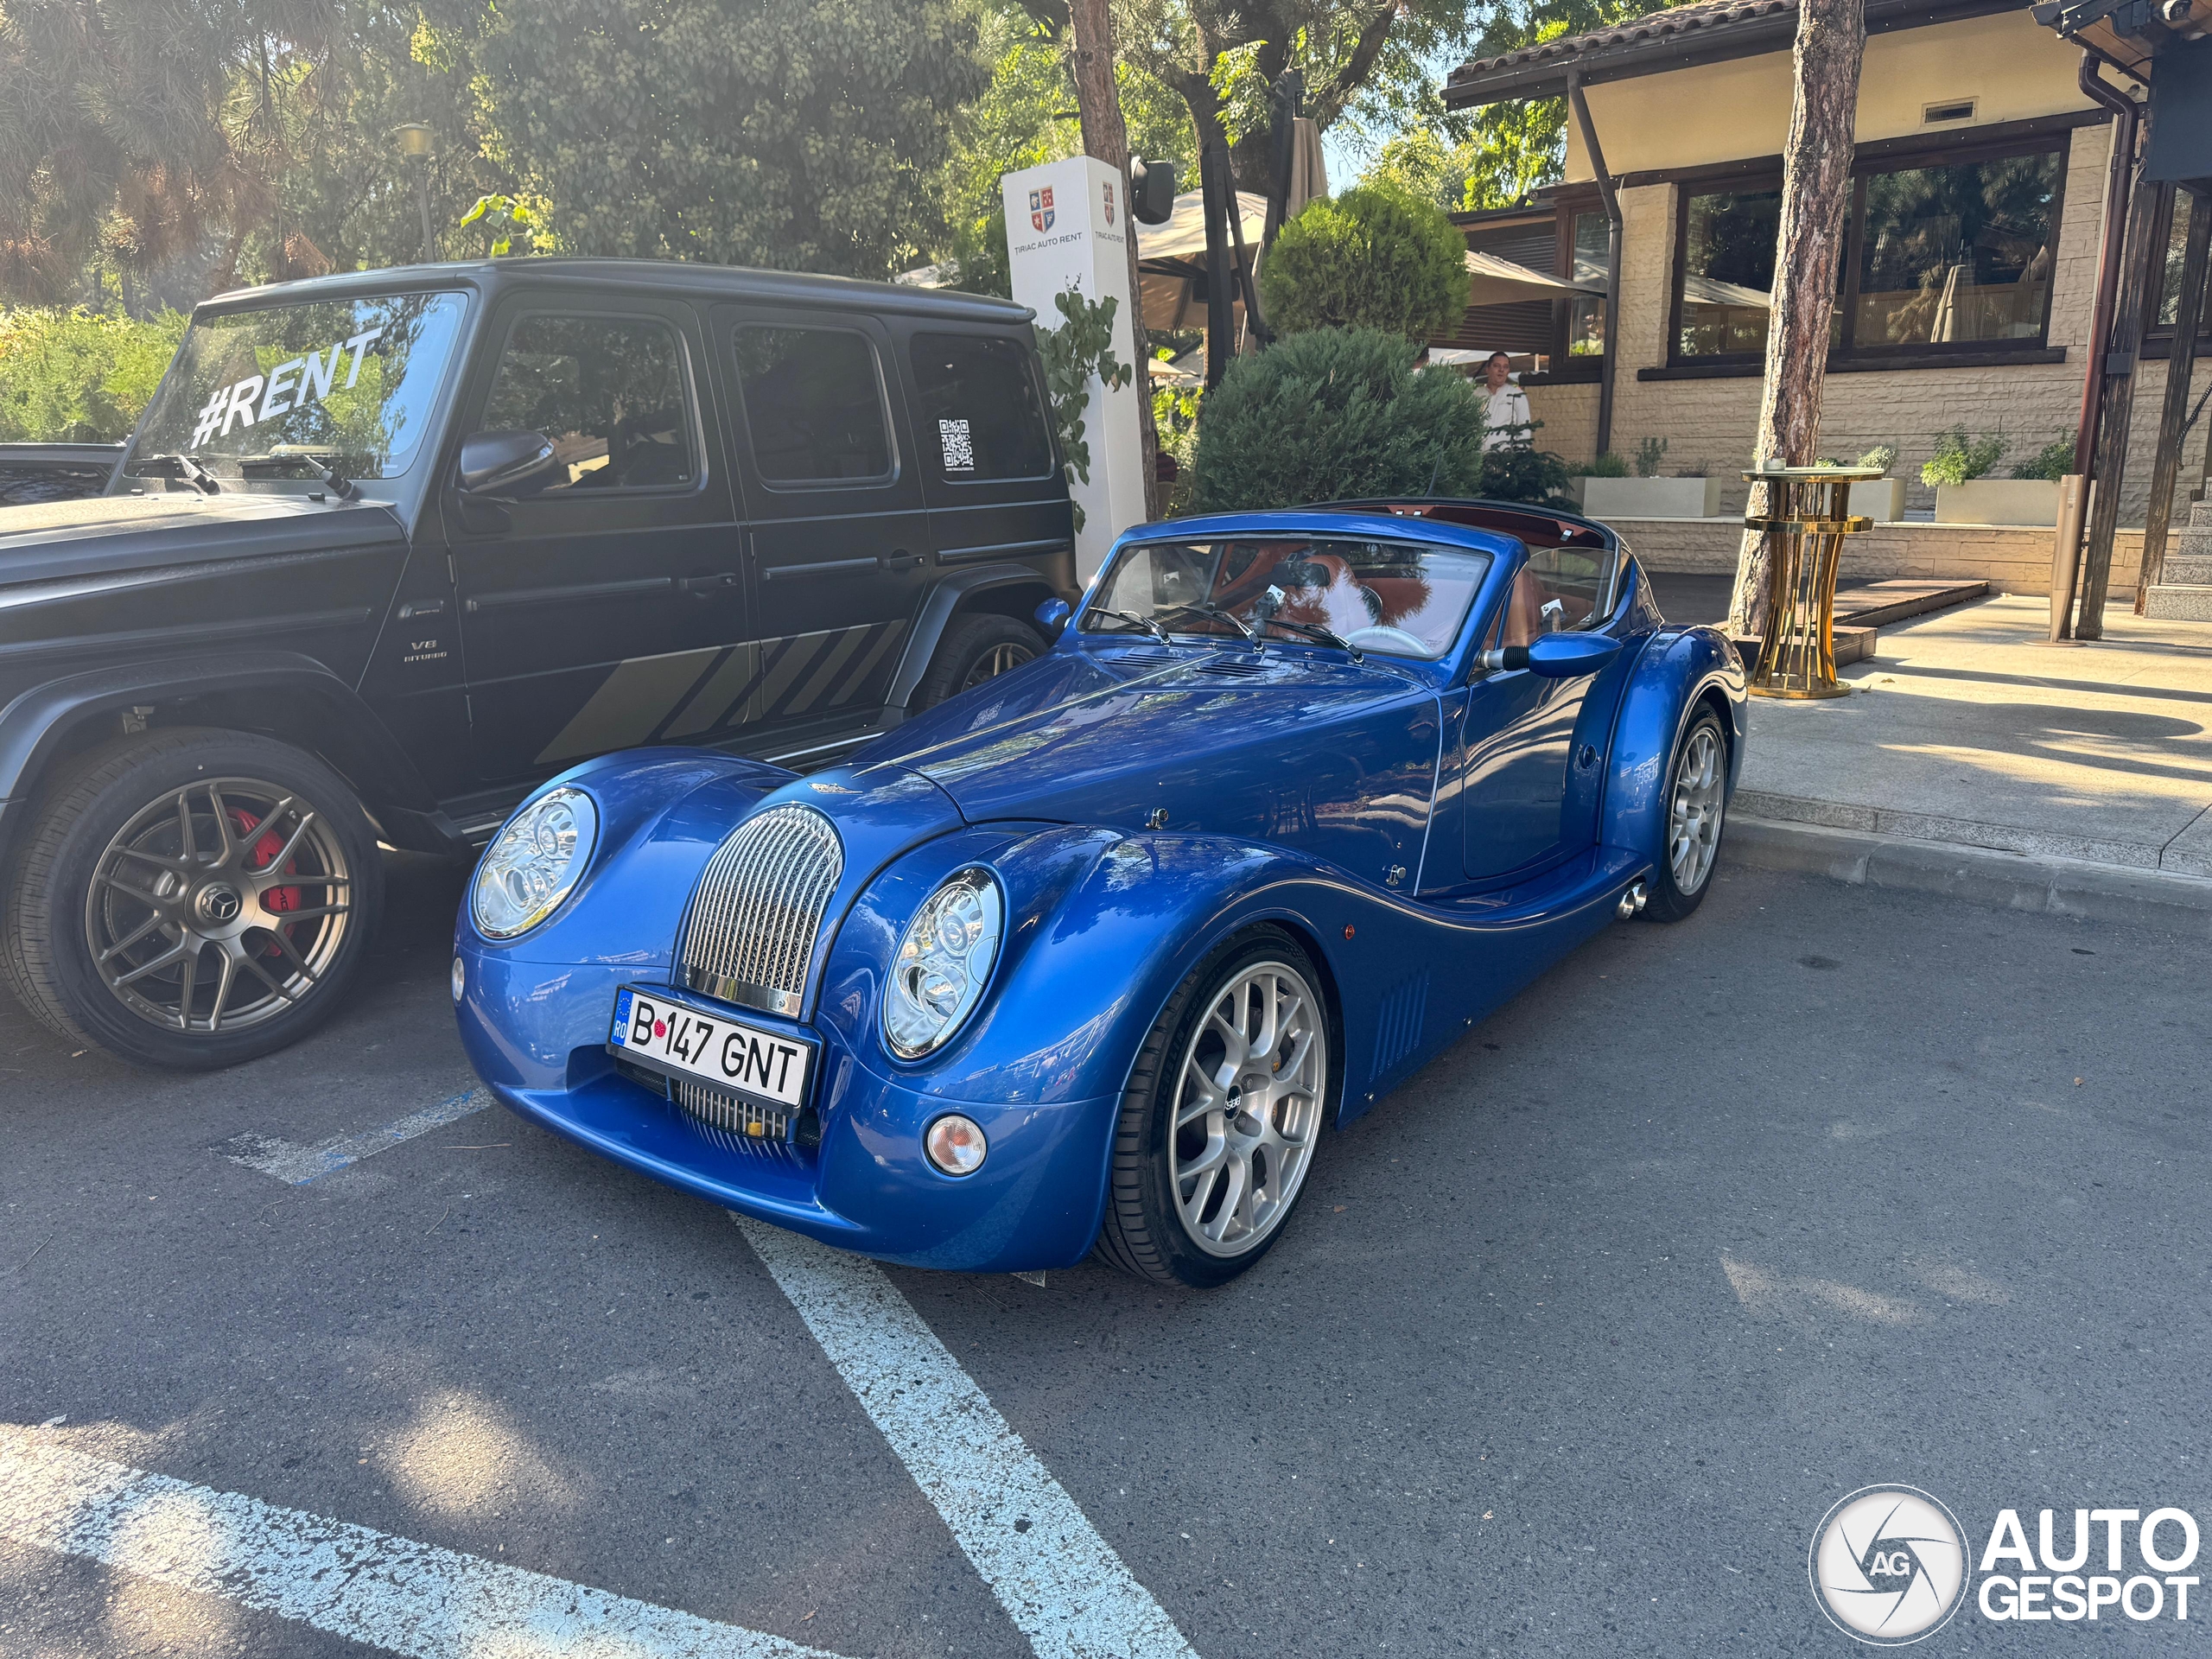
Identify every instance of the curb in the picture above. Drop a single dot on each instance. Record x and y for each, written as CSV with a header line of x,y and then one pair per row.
x,y
1981,875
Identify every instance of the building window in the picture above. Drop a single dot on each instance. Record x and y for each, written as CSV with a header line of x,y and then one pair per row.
x,y
1586,313
1728,239
1952,254
1956,257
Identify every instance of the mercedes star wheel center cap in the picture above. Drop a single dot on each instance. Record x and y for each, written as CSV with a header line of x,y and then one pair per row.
x,y
220,904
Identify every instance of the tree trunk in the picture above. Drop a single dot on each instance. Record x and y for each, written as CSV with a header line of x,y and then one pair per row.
x,y
1106,136
1808,245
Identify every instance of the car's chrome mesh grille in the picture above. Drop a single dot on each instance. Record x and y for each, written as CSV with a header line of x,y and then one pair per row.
x,y
755,1127
758,909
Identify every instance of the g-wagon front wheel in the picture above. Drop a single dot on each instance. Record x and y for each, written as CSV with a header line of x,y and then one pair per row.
x,y
193,898
1221,1116
974,650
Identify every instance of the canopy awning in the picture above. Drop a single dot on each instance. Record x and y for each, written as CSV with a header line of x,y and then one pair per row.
x,y
1183,237
1493,281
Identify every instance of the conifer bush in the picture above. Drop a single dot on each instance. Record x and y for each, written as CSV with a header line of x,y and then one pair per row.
x,y
1335,414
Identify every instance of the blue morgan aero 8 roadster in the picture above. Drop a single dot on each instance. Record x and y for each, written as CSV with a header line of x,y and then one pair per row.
x,y
1091,955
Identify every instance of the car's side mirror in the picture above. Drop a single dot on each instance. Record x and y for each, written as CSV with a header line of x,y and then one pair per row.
x,y
1557,655
493,463
1053,616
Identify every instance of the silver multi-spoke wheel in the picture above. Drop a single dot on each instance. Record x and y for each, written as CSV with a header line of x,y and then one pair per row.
x,y
1246,1109
218,906
1695,802
999,659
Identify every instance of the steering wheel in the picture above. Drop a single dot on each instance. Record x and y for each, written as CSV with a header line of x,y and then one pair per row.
x,y
1388,638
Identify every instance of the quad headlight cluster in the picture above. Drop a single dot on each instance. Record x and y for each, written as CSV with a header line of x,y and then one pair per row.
x,y
943,963
534,863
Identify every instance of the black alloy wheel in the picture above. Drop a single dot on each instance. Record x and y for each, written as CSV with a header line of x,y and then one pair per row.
x,y
192,899
976,649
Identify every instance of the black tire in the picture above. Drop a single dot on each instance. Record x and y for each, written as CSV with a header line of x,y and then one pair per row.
x,y
1144,1233
975,649
264,986
1703,750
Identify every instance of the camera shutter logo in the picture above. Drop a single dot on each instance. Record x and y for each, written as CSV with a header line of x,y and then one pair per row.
x,y
1888,1565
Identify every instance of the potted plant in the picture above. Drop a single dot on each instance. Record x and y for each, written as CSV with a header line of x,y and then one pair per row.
x,y
1692,495
1964,494
1580,472
1883,499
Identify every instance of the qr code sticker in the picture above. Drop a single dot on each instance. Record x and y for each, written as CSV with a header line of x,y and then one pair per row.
x,y
959,449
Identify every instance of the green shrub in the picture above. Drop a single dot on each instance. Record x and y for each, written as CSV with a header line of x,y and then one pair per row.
x,y
1648,454
76,376
1521,472
1958,458
2054,461
1882,457
1374,257
1608,465
1335,413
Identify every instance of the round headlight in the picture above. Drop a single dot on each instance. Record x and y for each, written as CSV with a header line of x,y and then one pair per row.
x,y
533,863
943,963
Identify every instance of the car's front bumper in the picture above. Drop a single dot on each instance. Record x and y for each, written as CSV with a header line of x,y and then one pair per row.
x,y
536,1033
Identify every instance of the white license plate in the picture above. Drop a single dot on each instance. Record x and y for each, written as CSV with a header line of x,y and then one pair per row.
x,y
675,1037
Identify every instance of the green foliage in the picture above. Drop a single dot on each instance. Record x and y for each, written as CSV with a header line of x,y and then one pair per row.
x,y
1958,458
73,376
505,221
1608,465
800,135
1374,257
2054,461
1882,456
1518,471
1334,413
1022,120
1649,453
1083,345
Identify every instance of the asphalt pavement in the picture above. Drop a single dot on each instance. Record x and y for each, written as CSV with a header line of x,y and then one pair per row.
x,y
1572,1344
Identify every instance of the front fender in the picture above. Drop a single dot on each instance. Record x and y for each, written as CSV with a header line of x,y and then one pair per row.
x,y
1679,668
662,813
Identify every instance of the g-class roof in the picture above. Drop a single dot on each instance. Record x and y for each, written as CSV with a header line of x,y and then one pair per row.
x,y
665,276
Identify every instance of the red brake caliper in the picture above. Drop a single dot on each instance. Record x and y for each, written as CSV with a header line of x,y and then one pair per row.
x,y
267,848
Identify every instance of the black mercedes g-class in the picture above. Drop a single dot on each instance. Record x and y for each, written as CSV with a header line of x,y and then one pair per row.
x,y
388,548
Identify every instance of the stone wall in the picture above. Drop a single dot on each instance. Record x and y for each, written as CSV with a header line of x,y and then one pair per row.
x,y
1709,425
2011,558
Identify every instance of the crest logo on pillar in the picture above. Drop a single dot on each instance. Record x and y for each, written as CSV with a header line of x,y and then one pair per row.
x,y
1040,208
1109,204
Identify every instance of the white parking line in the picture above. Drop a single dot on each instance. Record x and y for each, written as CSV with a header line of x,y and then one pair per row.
x,y
297,1165
368,1586
1060,1582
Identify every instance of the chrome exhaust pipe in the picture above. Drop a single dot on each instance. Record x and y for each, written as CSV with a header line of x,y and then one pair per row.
x,y
1631,902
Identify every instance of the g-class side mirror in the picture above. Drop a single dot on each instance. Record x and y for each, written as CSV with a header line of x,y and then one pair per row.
x,y
1053,616
1557,655
492,462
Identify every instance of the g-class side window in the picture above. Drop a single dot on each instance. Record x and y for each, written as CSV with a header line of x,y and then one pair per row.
x,y
813,405
980,411
608,392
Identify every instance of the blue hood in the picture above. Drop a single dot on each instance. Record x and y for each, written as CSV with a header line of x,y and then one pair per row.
x,y
1298,747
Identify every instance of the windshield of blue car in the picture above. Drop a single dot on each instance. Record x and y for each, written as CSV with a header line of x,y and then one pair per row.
x,y
1402,599
283,390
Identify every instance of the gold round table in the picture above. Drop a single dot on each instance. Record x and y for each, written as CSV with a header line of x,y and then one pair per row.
x,y
1809,514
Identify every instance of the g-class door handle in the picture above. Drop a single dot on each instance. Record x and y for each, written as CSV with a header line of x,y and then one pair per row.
x,y
899,559
707,587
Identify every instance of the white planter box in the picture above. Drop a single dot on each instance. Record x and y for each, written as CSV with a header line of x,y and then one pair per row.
x,y
1998,501
1651,498
1883,500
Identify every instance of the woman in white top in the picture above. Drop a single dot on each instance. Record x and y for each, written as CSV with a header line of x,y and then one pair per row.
x,y
1505,409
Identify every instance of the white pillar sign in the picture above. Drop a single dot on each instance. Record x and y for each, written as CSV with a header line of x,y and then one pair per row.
x,y
1067,225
